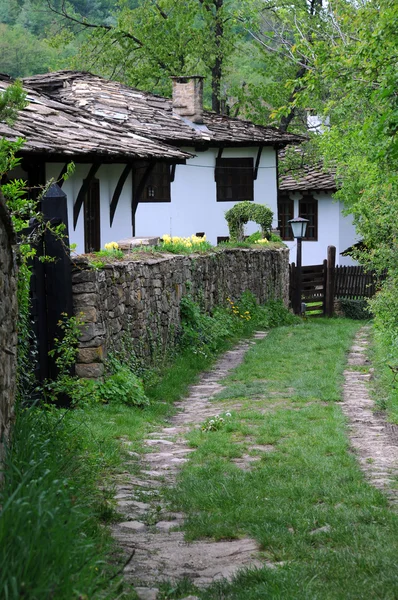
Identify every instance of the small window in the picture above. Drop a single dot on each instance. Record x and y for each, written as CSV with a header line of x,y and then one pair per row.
x,y
157,187
285,213
92,228
235,179
308,209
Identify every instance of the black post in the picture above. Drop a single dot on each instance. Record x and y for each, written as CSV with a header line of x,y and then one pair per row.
x,y
58,268
297,291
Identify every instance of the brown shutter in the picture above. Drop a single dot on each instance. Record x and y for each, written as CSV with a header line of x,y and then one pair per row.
x,y
234,179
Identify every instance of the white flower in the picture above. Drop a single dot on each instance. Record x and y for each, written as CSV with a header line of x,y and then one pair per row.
x,y
228,414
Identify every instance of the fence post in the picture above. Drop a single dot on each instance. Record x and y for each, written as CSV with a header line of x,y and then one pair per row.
x,y
330,278
58,273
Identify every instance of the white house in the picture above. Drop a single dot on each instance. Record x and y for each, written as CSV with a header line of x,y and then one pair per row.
x,y
145,165
309,194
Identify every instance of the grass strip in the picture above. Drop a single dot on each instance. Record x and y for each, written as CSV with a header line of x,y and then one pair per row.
x,y
329,534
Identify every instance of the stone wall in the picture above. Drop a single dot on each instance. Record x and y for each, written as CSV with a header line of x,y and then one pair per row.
x,y
141,298
8,319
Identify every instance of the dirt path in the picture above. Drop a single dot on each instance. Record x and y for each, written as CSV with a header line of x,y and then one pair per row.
x,y
150,532
374,440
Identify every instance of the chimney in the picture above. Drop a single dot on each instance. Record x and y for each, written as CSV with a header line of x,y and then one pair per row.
x,y
188,97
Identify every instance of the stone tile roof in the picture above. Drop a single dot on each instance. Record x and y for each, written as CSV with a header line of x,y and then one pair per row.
x,y
54,128
151,115
308,178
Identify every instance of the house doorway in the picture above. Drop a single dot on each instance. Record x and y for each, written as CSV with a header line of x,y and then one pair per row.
x,y
92,224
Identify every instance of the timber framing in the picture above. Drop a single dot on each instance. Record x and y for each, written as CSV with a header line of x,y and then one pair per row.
x,y
118,190
83,192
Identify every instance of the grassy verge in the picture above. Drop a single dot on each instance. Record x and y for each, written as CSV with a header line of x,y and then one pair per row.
x,y
329,534
58,493
385,383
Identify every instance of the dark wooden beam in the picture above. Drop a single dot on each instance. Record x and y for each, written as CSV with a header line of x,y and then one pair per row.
x,y
219,155
137,193
259,152
118,190
172,172
83,191
60,179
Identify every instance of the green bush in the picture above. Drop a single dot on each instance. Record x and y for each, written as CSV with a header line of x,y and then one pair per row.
x,y
242,212
355,308
122,385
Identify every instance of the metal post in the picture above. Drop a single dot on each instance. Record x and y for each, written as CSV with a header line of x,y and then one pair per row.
x,y
297,299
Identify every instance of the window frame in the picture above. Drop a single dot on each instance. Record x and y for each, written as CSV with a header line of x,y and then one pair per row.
x,y
158,179
287,215
229,173
312,216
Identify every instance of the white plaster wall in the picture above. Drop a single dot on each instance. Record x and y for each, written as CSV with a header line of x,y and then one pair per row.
x,y
333,230
193,207
108,176
348,237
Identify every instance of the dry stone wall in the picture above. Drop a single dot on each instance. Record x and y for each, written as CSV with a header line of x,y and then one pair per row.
x,y
8,319
141,298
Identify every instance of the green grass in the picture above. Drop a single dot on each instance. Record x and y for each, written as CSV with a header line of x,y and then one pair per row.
x,y
308,481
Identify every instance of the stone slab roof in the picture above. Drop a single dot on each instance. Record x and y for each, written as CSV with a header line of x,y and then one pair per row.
x,y
308,178
150,115
54,128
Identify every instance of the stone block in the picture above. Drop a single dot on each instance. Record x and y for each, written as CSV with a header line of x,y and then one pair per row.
x,y
90,371
90,355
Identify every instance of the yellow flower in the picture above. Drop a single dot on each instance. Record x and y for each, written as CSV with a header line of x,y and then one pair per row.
x,y
261,242
111,246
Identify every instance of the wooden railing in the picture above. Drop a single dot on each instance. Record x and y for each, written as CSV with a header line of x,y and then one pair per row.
x,y
355,282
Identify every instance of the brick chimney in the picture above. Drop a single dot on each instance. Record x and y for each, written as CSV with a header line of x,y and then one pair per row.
x,y
188,97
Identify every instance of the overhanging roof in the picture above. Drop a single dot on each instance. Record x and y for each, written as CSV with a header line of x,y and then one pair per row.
x,y
54,128
152,116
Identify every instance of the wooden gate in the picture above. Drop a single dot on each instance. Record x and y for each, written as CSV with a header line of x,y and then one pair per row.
x,y
316,283
50,283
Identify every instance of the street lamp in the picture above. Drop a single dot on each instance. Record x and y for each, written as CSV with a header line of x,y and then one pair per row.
x,y
299,227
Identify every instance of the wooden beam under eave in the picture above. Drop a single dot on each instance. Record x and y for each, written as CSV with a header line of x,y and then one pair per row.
x,y
83,192
258,159
138,192
60,179
118,190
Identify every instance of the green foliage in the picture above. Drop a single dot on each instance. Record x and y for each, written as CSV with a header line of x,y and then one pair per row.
x,y
242,212
12,100
122,385
51,542
357,309
206,334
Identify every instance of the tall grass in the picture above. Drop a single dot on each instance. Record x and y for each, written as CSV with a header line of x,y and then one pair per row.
x,y
51,542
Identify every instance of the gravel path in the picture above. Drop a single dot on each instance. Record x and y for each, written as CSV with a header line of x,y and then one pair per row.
x,y
374,440
150,533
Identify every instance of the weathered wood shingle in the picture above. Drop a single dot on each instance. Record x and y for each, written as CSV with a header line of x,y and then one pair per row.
x,y
151,115
52,127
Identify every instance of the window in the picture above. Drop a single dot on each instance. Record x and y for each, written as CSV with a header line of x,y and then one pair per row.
x,y
234,179
308,209
92,229
285,213
157,186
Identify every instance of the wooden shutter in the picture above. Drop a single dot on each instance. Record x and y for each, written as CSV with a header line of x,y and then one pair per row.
x,y
92,225
285,213
308,209
157,186
234,179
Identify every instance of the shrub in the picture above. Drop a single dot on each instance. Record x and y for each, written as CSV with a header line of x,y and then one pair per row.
x,y
355,308
242,212
122,385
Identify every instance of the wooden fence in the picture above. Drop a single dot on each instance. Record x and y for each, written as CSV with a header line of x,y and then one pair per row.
x,y
355,282
321,284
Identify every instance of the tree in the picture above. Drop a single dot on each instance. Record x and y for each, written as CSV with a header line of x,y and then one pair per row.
x,y
160,38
